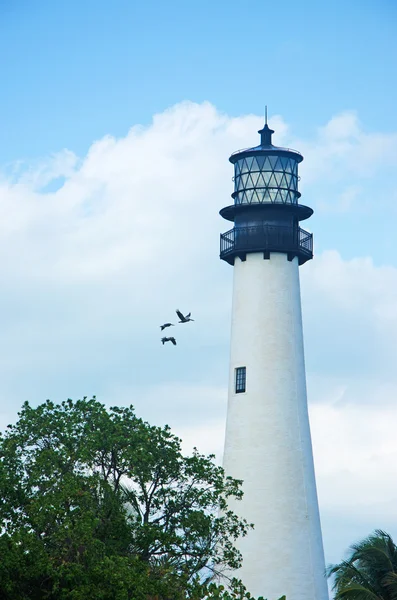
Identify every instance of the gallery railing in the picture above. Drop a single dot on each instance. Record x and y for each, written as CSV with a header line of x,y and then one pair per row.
x,y
267,238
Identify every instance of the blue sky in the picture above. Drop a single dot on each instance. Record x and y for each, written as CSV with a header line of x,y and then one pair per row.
x,y
117,121
74,71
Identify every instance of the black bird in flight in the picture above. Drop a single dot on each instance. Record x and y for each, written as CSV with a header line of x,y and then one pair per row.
x,y
183,319
166,325
168,339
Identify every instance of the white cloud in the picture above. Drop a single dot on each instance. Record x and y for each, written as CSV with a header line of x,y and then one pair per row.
x,y
350,316
342,148
91,269
356,454
341,127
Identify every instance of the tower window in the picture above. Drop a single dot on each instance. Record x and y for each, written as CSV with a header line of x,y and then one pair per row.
x,y
240,380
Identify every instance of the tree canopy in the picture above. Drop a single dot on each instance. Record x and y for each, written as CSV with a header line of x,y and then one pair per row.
x,y
96,503
370,571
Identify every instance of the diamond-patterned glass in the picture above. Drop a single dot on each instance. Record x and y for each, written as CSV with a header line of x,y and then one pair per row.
x,y
254,166
255,179
266,164
260,160
266,178
284,181
279,178
248,195
249,160
261,180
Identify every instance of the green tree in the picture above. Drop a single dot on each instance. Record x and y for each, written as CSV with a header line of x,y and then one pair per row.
x,y
370,572
96,503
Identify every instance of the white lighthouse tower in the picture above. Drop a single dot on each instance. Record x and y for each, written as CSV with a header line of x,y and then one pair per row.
x,y
268,442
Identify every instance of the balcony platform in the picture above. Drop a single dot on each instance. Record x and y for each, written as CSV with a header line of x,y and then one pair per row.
x,y
293,241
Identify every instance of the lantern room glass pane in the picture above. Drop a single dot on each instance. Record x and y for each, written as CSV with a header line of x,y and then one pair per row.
x,y
254,166
261,180
260,160
282,163
272,161
279,164
263,196
255,179
266,178
267,164
244,179
278,177
248,160
243,166
249,194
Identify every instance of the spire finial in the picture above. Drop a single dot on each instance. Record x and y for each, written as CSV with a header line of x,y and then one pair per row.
x,y
266,132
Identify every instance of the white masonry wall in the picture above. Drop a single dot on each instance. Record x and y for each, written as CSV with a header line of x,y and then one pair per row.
x,y
268,442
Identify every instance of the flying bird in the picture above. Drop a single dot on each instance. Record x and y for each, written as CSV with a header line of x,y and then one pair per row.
x,y
166,325
168,339
183,319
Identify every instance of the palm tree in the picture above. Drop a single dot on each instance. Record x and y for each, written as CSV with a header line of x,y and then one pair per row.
x,y
370,573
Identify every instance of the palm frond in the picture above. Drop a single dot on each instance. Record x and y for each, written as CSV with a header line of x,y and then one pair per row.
x,y
356,592
347,573
369,572
389,581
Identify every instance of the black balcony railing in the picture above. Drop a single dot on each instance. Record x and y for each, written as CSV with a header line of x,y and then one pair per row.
x,y
294,241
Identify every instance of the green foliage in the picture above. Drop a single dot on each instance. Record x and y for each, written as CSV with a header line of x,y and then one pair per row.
x,y
370,572
97,503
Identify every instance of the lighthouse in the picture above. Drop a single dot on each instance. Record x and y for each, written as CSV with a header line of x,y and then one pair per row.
x,y
268,442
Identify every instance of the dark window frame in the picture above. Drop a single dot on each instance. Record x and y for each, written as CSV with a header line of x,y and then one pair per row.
x,y
240,380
